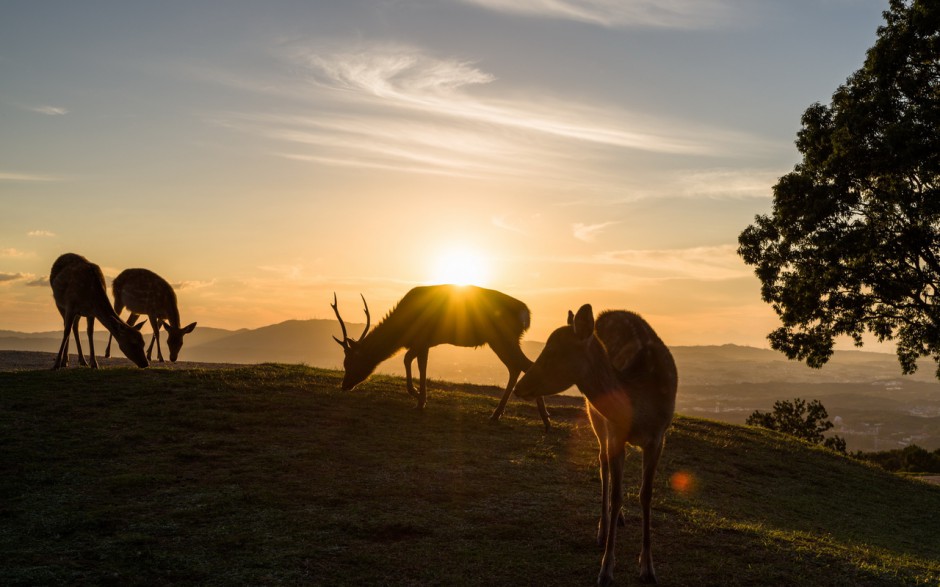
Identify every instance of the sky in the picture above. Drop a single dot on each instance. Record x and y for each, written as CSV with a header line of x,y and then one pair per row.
x,y
261,156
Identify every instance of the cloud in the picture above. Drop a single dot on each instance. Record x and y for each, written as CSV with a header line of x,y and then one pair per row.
x,y
728,183
404,78
189,284
589,232
39,281
5,277
40,233
505,223
668,14
49,110
11,176
709,263
12,253
705,263
397,107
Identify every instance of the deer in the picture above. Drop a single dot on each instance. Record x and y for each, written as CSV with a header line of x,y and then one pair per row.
x,y
144,292
78,288
427,316
628,378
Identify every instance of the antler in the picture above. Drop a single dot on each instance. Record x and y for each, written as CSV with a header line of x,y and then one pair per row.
x,y
343,343
368,318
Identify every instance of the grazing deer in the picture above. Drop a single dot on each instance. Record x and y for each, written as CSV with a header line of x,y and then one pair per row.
x,y
427,316
79,290
144,292
628,378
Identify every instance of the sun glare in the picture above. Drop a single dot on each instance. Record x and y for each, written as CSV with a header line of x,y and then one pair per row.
x,y
461,267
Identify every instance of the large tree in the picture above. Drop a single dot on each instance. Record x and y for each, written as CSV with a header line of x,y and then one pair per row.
x,y
853,241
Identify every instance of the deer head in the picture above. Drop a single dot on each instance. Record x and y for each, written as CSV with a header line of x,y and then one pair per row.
x,y
174,338
355,363
565,358
131,343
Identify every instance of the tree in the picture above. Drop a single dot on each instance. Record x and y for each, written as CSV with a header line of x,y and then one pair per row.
x,y
799,419
853,241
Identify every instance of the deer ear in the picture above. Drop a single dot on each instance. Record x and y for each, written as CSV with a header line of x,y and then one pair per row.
x,y
189,328
139,325
570,318
584,322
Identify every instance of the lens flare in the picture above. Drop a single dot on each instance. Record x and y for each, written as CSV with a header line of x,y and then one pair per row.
x,y
682,482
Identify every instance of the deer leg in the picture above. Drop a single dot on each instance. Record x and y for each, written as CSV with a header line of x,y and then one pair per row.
x,y
651,455
599,426
62,359
410,355
78,343
155,325
615,490
543,413
91,343
118,308
498,412
422,378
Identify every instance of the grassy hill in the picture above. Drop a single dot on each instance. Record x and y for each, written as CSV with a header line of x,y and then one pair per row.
x,y
270,474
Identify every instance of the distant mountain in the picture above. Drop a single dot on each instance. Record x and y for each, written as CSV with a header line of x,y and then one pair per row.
x,y
49,341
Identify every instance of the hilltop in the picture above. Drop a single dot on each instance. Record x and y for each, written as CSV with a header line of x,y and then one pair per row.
x,y
270,474
873,405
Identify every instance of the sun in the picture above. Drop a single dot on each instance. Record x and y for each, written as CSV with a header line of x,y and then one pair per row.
x,y
460,266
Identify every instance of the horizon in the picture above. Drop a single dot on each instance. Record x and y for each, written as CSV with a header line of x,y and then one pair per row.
x,y
260,158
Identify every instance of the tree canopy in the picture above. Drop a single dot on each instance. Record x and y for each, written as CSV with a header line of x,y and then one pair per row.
x,y
806,421
852,244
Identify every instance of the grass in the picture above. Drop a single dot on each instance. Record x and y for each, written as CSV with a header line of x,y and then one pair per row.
x,y
270,474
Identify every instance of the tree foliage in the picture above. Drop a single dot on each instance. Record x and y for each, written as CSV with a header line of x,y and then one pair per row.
x,y
806,421
852,244
910,459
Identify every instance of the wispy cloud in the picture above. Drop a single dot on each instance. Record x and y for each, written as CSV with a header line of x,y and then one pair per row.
x,y
6,277
12,176
40,233
704,263
10,252
405,78
190,285
672,14
397,107
504,222
42,281
728,183
589,232
49,110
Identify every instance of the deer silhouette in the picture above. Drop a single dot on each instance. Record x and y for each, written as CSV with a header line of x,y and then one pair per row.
x,y
78,288
144,292
428,316
628,378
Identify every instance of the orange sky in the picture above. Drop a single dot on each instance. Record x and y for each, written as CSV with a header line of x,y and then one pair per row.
x,y
262,157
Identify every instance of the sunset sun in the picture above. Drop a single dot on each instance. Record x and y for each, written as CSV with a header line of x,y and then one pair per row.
x,y
461,266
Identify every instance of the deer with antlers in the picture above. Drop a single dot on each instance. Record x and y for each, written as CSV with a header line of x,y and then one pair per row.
x,y
144,292
428,316
628,377
78,288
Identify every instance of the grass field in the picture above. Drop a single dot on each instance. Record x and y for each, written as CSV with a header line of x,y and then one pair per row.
x,y
269,475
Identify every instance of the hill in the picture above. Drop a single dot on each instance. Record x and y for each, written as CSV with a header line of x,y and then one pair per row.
x,y
270,474
873,405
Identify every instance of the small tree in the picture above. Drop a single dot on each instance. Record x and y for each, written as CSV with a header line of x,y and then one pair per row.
x,y
799,419
853,242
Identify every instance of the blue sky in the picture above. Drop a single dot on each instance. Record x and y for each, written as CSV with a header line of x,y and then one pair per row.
x,y
262,155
